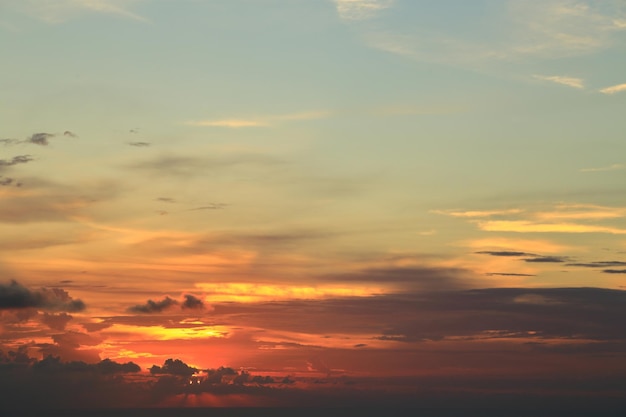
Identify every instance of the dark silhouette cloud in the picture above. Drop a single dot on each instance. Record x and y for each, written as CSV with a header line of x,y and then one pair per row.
x,y
510,274
139,144
614,271
173,367
16,296
505,253
19,159
546,259
40,138
192,302
154,306
70,134
600,264
56,321
6,141
6,181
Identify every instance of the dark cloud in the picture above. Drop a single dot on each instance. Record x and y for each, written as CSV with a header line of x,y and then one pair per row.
x,y
505,253
6,181
173,367
9,141
17,296
154,306
614,271
212,206
510,274
40,138
546,259
192,302
600,264
56,321
177,165
140,144
166,199
19,159
70,134
422,278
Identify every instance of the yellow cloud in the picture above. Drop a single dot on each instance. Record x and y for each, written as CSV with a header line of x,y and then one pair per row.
x,y
476,213
248,292
260,121
524,226
614,89
561,79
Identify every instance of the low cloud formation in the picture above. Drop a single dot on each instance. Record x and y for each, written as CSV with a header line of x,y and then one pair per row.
x,y
139,144
546,259
614,271
56,321
40,138
16,160
173,367
192,302
154,306
600,264
16,296
504,253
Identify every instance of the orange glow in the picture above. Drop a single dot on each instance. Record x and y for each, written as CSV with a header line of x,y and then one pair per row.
x,y
246,292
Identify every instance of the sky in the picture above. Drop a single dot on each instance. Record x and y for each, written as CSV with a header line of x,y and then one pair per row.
x,y
352,201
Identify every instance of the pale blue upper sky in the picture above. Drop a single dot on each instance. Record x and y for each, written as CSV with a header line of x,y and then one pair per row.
x,y
338,130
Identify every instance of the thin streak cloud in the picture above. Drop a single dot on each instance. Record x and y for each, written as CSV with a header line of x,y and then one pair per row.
x,y
260,121
614,89
563,80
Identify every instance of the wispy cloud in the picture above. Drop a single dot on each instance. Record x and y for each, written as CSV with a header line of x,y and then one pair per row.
x,y
476,213
59,11
614,89
361,9
526,226
260,121
613,167
562,79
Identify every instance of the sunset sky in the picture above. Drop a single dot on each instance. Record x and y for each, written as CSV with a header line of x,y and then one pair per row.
x,y
376,196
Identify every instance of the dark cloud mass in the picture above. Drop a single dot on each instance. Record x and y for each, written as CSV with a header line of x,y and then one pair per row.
x,y
192,302
139,144
15,296
40,138
600,264
509,274
545,259
154,306
614,271
504,253
173,367
19,159
56,321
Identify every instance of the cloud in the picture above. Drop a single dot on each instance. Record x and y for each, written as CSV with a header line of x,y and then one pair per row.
x,y
564,80
56,321
504,253
173,367
40,138
599,264
361,9
59,11
476,213
509,274
192,302
154,306
614,89
546,259
140,144
6,141
525,226
16,296
614,271
70,134
19,159
613,167
261,121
